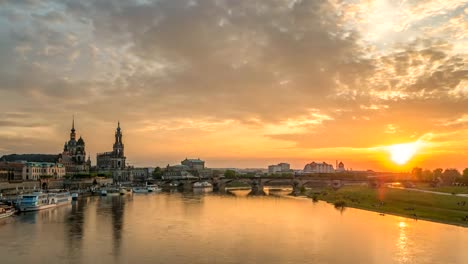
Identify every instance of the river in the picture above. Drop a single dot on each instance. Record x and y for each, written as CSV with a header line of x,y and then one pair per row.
x,y
214,228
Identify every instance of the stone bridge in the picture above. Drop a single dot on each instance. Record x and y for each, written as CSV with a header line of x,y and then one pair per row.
x,y
257,184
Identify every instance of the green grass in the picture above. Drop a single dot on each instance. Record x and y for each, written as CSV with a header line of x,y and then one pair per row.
x,y
433,207
446,189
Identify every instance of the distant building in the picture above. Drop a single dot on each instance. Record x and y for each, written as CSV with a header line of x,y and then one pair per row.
x,y
323,167
73,156
340,167
11,171
114,160
177,172
34,170
194,164
280,168
188,168
140,174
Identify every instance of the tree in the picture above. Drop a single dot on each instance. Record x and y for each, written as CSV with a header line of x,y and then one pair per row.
x,y
427,175
157,173
465,176
417,173
230,174
450,176
437,173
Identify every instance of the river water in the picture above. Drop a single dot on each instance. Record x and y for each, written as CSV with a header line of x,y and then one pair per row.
x,y
212,228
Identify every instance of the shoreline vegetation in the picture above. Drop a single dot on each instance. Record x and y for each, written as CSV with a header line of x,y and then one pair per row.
x,y
447,209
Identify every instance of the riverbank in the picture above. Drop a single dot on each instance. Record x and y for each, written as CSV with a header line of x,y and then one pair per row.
x,y
447,209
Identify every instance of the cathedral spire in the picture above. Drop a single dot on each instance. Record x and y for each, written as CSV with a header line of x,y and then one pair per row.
x,y
73,134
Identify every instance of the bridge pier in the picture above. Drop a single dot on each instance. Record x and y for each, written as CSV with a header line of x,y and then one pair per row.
x,y
218,186
297,188
257,188
188,185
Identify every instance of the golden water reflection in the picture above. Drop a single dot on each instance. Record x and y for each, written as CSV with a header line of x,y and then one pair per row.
x,y
235,228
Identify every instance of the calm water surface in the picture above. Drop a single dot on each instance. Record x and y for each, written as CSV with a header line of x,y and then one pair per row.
x,y
210,228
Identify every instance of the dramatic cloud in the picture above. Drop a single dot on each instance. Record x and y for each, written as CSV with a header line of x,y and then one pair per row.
x,y
246,81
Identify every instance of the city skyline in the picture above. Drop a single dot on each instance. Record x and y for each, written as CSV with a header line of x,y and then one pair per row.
x,y
244,84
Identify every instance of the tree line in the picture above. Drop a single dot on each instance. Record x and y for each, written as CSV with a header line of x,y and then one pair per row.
x,y
447,176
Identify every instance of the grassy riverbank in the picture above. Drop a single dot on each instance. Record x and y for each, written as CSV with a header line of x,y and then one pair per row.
x,y
439,208
446,189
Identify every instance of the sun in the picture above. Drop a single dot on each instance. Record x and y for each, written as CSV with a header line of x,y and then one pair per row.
x,y
402,153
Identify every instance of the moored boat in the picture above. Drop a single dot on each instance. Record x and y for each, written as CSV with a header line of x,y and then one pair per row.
x,y
113,192
124,191
140,190
174,184
74,196
153,188
202,186
40,201
6,211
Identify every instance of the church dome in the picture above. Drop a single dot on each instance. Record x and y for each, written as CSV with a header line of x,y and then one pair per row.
x,y
80,141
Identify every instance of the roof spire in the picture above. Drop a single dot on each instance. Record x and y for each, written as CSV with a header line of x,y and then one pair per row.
x,y
73,123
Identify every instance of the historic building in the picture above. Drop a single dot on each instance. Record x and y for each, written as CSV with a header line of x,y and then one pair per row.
x,y
34,170
315,167
115,159
340,167
193,164
177,172
188,168
73,156
11,171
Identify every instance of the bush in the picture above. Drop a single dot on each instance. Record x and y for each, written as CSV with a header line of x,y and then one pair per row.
x,y
340,204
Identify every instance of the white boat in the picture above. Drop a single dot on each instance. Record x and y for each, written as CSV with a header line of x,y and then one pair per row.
x,y
174,184
146,189
6,211
140,190
124,191
40,201
74,196
153,188
113,191
103,192
203,186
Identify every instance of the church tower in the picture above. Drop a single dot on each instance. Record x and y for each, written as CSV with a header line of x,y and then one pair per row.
x,y
118,151
118,145
73,134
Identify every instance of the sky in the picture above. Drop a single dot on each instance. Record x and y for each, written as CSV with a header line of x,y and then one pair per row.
x,y
240,83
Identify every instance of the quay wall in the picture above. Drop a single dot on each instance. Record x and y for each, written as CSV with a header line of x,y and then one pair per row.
x,y
11,187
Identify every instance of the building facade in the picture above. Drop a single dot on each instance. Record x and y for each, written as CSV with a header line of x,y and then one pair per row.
x,y
340,167
34,170
115,159
193,164
11,171
140,174
323,167
73,156
177,172
279,168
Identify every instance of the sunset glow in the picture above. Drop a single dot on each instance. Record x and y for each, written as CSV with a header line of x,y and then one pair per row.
x,y
239,83
402,153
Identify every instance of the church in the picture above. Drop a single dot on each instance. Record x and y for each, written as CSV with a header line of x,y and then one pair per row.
x,y
115,159
73,156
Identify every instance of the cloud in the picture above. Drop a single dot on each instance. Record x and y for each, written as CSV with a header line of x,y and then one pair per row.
x,y
294,73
